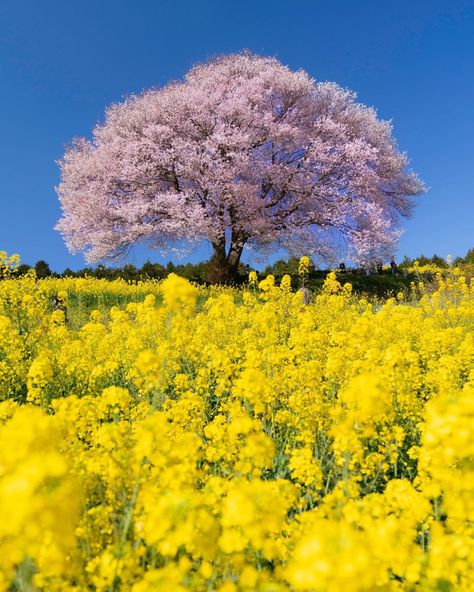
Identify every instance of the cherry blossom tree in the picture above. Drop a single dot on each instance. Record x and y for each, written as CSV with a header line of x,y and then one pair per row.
x,y
242,153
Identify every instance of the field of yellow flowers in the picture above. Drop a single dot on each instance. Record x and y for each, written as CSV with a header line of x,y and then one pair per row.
x,y
211,439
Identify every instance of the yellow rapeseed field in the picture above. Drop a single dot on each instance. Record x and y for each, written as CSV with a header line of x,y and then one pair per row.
x,y
235,440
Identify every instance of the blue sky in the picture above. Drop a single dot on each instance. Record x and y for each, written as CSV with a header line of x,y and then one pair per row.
x,y
62,63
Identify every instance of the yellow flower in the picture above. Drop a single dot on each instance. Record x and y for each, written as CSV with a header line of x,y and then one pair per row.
x,y
195,438
303,267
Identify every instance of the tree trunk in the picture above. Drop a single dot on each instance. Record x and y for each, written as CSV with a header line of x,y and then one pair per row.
x,y
223,266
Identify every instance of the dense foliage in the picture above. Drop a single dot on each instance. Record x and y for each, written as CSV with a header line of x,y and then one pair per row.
x,y
236,440
367,280
376,283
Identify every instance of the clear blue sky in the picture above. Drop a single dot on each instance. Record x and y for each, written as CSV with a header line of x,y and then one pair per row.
x,y
62,62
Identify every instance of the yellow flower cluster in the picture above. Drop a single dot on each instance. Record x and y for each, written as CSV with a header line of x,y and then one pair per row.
x,y
8,264
304,264
236,440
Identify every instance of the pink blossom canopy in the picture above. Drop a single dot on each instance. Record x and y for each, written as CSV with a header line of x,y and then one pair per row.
x,y
242,152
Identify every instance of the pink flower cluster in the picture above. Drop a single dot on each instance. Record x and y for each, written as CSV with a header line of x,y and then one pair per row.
x,y
242,152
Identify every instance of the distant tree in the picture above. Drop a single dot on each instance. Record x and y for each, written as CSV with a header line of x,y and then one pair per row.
x,y
152,271
102,272
129,272
85,271
201,271
42,269
282,267
438,261
23,269
469,257
242,152
424,260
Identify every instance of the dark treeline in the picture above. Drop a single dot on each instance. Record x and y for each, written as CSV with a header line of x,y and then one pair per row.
x,y
200,272
129,272
468,259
